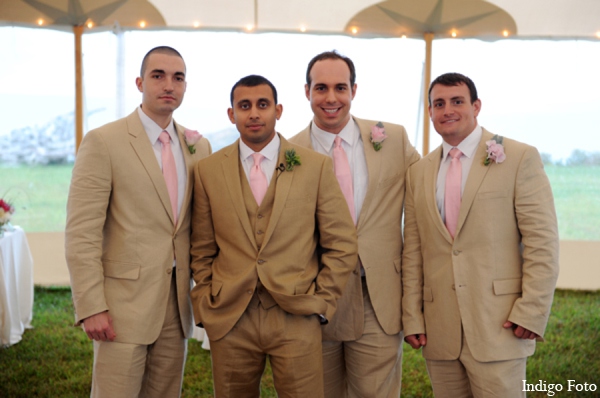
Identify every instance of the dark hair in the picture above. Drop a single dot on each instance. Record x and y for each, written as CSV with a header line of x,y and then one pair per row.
x,y
159,50
454,79
253,81
331,55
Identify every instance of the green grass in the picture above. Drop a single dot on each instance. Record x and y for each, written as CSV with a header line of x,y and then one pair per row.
x,y
54,359
43,191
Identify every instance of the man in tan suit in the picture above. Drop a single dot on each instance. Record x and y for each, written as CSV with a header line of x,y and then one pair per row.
x,y
261,207
128,240
478,272
362,345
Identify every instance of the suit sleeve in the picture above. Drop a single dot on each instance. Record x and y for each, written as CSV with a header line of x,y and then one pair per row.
x,y
536,219
337,238
412,267
89,198
204,247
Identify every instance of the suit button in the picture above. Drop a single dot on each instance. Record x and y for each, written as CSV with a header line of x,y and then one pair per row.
x,y
456,252
261,261
259,232
170,270
453,287
260,216
249,291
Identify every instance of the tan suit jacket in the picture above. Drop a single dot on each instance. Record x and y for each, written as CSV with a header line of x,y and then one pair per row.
x,y
120,238
502,264
379,229
308,209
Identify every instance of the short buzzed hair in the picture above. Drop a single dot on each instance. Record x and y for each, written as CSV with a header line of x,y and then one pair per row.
x,y
159,50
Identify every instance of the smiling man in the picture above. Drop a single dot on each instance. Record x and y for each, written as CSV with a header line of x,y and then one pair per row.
x,y
362,345
261,207
480,260
128,238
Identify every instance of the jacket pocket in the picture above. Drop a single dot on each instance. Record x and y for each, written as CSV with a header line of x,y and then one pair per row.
x,y
508,286
121,270
492,195
297,202
427,294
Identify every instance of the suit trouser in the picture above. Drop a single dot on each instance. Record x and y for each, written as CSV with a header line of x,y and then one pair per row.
x,y
135,370
467,377
292,342
368,367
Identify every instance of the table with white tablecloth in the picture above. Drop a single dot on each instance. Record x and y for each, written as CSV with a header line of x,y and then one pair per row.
x,y
16,286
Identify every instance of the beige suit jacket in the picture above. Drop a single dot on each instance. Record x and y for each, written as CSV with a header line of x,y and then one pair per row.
x,y
308,209
502,264
120,239
379,230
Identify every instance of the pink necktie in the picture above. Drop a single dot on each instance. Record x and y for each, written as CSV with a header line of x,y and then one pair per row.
x,y
258,179
343,174
452,191
169,170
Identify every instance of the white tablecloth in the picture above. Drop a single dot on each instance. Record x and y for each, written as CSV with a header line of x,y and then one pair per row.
x,y
16,286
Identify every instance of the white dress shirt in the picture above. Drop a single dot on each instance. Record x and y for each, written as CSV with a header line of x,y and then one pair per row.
x,y
153,130
268,164
322,142
468,147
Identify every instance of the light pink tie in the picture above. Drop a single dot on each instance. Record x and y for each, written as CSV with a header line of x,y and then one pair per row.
x,y
258,179
343,174
169,170
452,191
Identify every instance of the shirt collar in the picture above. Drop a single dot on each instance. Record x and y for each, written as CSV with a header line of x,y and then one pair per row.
x,y
325,139
153,130
270,151
468,146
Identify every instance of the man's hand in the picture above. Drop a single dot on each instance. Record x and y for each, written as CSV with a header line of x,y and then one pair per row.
x,y
99,327
416,341
519,331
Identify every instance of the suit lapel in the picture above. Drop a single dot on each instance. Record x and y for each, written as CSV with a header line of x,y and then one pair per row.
x,y
303,138
143,148
231,175
474,180
373,159
431,171
189,166
283,181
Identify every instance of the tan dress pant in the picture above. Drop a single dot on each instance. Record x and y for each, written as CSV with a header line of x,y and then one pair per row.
x,y
148,371
368,367
467,377
291,342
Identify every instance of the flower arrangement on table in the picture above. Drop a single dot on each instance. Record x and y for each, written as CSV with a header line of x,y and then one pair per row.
x,y
6,211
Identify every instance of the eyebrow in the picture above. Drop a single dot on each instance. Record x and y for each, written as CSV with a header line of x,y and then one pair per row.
x,y
245,100
161,71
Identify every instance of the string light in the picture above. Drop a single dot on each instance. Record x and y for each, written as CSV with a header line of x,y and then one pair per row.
x,y
354,30
302,28
249,27
453,33
196,24
505,33
142,24
40,22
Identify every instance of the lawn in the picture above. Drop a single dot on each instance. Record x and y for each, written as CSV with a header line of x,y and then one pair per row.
x,y
41,195
54,359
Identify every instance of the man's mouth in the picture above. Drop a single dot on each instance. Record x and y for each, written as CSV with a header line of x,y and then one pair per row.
x,y
331,111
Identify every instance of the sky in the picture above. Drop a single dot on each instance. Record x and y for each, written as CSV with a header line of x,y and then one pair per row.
x,y
544,93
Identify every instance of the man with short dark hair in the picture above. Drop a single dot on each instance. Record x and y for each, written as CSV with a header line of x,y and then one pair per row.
x,y
261,207
128,238
480,259
362,345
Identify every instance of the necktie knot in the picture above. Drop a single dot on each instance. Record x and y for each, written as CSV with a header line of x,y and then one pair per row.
x,y
257,159
164,138
455,153
258,179
337,141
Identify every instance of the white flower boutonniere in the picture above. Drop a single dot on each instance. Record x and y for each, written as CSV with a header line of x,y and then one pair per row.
x,y
495,151
377,136
191,138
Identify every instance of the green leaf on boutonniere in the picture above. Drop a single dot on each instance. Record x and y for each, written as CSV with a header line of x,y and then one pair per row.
x,y
291,159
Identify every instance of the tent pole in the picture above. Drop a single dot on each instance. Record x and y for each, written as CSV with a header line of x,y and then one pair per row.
x,y
78,32
426,81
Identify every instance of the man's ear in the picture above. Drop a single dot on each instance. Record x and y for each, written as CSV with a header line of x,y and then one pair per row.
x,y
231,115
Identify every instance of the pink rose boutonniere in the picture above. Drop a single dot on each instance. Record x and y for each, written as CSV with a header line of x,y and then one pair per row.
x,y
495,151
377,136
191,138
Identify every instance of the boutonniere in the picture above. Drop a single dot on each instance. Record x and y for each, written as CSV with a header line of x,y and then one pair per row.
x,y
191,138
291,159
377,136
495,150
